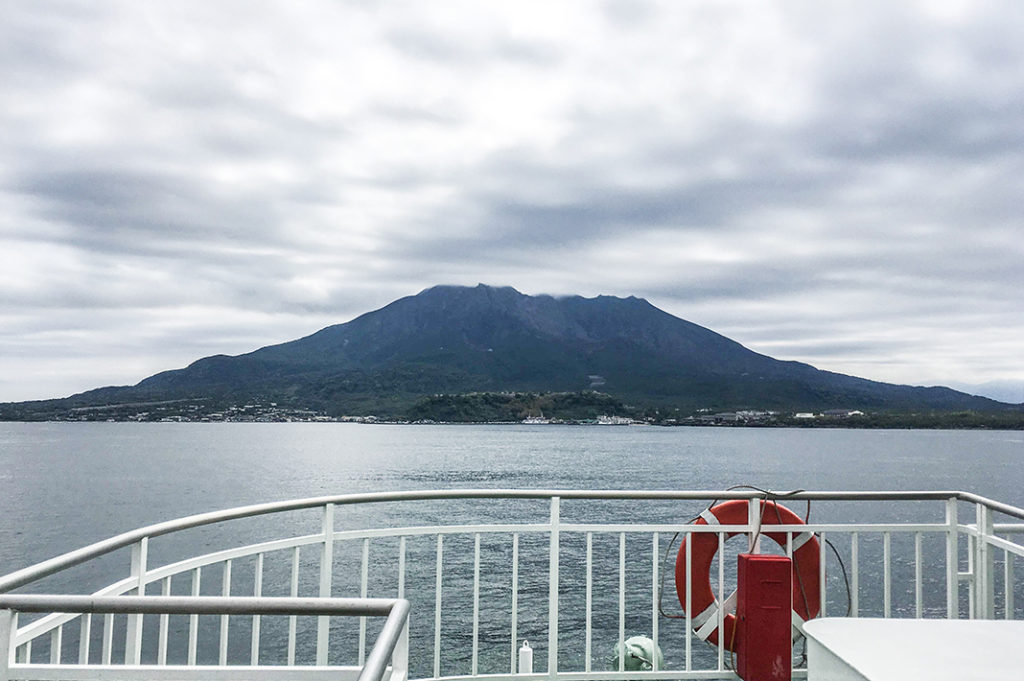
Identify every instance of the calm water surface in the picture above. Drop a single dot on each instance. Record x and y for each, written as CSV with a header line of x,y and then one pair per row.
x,y
63,485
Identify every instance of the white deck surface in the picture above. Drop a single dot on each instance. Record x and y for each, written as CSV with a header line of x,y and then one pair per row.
x,y
858,649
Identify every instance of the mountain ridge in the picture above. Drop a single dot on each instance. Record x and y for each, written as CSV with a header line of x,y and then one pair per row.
x,y
455,339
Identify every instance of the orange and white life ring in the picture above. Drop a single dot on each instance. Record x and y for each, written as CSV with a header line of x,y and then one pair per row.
x,y
704,545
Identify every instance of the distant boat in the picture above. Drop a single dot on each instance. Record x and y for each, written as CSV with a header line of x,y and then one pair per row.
x,y
537,420
605,420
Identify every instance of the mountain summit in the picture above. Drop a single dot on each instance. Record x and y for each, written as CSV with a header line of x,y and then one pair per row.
x,y
454,339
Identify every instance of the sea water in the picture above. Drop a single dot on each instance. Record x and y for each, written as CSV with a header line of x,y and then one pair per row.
x,y
64,485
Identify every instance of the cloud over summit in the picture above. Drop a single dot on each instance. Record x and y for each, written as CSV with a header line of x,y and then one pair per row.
x,y
836,183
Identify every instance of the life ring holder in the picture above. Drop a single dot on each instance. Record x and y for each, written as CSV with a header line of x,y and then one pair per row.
x,y
704,545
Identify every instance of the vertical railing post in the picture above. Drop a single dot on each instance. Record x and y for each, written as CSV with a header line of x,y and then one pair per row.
x,y
515,602
7,625
952,561
588,644
193,619
984,565
474,667
161,641
56,644
293,620
971,576
688,618
654,600
257,591
323,624
84,638
886,574
721,595
225,591
400,655
553,589
754,520
622,598
918,585
364,580
438,584
133,635
822,575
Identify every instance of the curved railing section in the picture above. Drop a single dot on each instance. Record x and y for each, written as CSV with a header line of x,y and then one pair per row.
x,y
576,572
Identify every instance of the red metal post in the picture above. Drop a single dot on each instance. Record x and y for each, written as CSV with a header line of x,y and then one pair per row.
x,y
764,603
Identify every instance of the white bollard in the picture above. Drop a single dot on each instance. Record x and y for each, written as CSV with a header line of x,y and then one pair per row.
x,y
525,659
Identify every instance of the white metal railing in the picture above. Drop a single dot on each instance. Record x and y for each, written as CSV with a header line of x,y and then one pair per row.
x,y
571,578
391,645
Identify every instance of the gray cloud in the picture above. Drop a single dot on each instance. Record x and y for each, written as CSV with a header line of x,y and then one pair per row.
x,y
839,184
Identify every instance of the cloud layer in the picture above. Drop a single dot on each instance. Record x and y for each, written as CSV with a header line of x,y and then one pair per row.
x,y
838,184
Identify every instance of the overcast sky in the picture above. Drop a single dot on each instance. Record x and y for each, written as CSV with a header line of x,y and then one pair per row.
x,y
840,183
